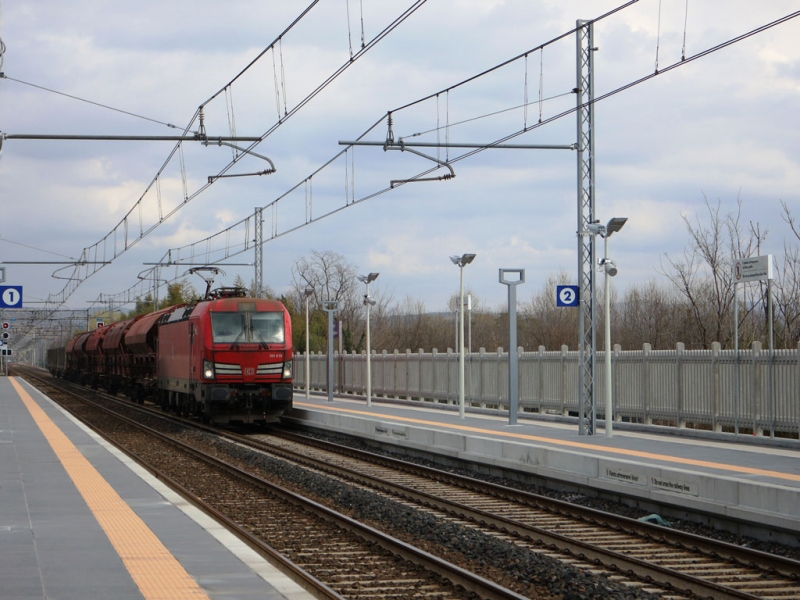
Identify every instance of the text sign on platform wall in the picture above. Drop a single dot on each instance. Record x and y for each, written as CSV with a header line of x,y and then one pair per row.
x,y
756,268
10,296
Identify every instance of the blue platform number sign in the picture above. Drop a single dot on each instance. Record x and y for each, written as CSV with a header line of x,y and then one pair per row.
x,y
10,296
567,295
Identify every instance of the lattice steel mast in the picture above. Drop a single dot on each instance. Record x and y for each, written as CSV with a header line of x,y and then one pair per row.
x,y
584,94
259,248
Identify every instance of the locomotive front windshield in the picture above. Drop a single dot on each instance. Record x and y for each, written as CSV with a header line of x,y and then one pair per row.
x,y
247,327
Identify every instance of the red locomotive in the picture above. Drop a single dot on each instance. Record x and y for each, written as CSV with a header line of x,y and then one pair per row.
x,y
225,359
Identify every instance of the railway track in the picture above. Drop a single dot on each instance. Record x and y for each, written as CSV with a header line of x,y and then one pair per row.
x,y
333,555
641,554
675,560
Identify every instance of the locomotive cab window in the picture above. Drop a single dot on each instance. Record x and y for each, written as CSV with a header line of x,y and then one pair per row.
x,y
267,327
227,327
247,327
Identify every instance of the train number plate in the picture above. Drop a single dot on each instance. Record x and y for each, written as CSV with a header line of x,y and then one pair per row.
x,y
249,371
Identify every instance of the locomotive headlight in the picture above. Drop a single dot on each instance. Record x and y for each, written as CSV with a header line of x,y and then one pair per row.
x,y
208,370
287,370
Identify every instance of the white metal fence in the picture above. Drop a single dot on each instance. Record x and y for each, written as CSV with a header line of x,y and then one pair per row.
x,y
709,389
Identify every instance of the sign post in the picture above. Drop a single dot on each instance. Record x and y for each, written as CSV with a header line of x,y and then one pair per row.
x,y
745,270
513,357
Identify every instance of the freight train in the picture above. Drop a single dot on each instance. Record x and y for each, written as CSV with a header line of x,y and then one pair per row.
x,y
225,359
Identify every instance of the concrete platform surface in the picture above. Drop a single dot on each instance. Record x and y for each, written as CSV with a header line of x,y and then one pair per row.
x,y
750,480
79,519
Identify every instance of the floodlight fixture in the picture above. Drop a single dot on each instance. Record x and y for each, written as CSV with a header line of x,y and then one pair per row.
x,y
368,278
462,260
308,291
615,225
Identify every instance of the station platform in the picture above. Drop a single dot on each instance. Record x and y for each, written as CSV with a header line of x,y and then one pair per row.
x,y
79,519
739,478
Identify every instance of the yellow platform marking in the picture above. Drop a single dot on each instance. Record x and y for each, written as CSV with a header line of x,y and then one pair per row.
x,y
157,573
581,445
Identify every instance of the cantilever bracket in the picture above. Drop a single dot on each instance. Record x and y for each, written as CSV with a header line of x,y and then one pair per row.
x,y
218,142
403,148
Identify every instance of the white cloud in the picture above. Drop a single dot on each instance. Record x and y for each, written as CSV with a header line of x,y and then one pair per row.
x,y
720,126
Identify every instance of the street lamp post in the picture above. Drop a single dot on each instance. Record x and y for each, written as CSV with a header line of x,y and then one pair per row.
x,y
610,270
330,307
461,262
368,302
307,293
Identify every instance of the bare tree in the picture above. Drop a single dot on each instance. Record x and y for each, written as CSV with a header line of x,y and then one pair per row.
x,y
480,323
648,313
408,326
264,292
704,275
542,323
787,296
331,276
379,318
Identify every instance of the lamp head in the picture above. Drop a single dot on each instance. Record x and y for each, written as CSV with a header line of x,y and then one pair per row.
x,y
308,291
615,224
462,260
368,278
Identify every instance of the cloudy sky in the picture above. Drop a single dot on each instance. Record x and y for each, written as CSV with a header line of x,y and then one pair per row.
x,y
721,127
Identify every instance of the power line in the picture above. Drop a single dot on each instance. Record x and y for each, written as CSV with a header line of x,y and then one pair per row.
x,y
233,250
121,238
487,115
3,239
119,110
517,57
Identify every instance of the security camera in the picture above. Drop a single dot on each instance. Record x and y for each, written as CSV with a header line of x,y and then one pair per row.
x,y
596,229
609,266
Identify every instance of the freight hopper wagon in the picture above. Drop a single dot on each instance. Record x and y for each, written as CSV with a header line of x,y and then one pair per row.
x,y
228,359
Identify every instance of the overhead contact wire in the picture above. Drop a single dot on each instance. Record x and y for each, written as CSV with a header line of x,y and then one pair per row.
x,y
518,133
74,282
505,138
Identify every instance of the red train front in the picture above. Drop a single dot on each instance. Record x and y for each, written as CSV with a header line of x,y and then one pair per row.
x,y
226,359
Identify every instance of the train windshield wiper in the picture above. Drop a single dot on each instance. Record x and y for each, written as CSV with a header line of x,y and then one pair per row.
x,y
260,337
236,341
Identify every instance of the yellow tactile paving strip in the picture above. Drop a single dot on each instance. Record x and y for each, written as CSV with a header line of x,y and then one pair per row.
x,y
567,443
157,573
